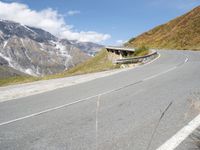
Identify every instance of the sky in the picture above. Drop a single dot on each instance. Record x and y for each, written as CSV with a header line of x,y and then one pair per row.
x,y
108,22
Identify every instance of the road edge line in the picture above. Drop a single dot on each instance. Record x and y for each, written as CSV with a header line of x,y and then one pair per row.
x,y
181,135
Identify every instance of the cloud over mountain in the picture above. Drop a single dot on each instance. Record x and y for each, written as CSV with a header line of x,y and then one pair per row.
x,y
47,19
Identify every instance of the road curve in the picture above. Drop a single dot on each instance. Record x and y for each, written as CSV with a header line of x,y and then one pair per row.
x,y
139,109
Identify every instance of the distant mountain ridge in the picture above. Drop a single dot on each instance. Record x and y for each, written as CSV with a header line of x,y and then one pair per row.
x,y
36,52
88,47
181,33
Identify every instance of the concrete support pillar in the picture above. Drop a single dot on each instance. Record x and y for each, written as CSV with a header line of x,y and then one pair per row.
x,y
120,54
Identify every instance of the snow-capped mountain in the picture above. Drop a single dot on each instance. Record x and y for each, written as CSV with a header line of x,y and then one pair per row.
x,y
87,47
34,51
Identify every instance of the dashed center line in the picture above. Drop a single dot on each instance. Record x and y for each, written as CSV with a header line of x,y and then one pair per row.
x,y
89,98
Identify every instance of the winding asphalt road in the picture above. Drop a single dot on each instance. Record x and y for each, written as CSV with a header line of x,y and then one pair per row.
x,y
139,109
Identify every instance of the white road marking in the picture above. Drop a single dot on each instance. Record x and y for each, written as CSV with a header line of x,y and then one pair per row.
x,y
156,75
97,111
47,110
181,135
59,107
85,99
151,61
19,91
186,60
164,72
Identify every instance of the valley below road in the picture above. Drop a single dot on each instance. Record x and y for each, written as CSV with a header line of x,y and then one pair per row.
x,y
135,109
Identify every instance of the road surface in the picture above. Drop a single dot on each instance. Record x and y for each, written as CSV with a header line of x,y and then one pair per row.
x,y
139,109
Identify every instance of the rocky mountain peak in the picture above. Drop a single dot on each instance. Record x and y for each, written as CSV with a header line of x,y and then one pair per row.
x,y
35,51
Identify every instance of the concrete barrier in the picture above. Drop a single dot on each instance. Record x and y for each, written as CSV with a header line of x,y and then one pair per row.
x,y
138,59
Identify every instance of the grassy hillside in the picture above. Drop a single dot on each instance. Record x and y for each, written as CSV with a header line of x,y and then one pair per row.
x,y
17,80
181,33
96,64
6,71
9,75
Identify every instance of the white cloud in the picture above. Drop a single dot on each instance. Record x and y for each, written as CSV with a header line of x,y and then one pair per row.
x,y
120,42
47,19
73,12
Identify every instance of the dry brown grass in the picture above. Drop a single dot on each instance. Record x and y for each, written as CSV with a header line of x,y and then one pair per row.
x,y
180,33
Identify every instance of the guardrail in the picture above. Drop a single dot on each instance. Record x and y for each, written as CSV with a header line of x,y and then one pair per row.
x,y
137,59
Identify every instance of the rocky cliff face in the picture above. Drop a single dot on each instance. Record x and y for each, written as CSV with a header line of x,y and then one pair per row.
x,y
34,51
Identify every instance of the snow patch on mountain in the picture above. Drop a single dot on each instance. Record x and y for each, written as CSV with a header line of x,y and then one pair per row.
x,y
36,52
5,43
62,51
7,59
27,28
30,72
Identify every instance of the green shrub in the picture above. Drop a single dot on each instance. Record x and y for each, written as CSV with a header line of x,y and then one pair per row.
x,y
141,51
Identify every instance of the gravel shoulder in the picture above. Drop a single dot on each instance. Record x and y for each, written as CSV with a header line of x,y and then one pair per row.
x,y
28,89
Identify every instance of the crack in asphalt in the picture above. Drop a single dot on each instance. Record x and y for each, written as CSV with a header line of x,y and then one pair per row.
x,y
158,123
